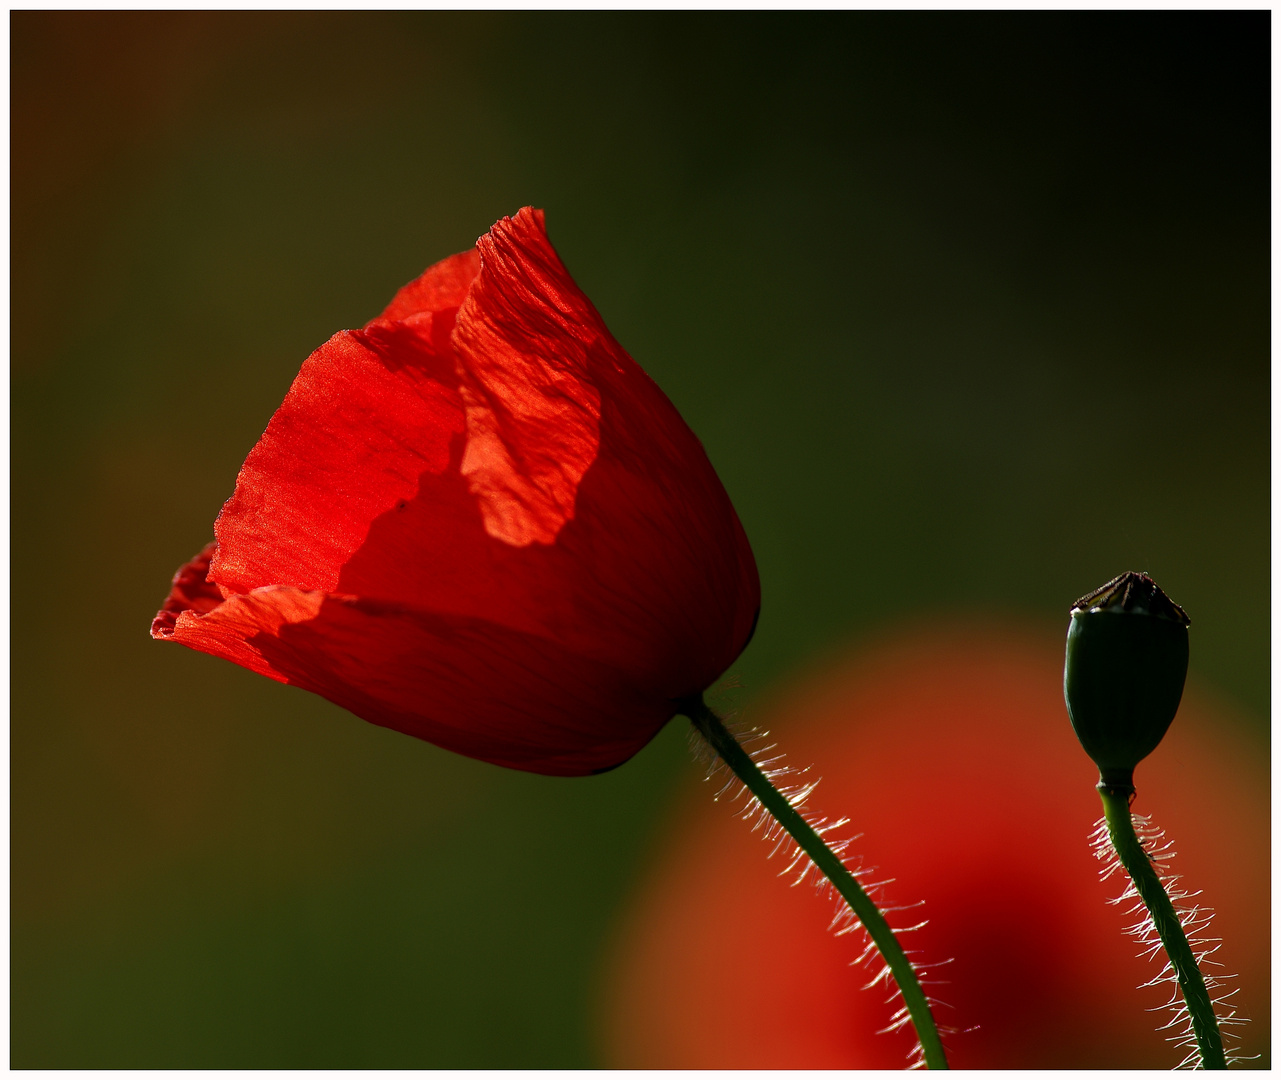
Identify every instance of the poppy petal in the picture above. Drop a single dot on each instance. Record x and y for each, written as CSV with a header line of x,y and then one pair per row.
x,y
652,562
440,287
533,411
483,690
191,591
367,416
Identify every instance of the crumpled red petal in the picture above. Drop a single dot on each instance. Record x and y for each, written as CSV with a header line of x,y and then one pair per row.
x,y
350,442
533,412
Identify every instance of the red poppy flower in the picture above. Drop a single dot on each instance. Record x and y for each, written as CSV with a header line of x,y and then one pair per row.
x,y
479,522
953,755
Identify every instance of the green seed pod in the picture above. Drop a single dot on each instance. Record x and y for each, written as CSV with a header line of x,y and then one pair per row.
x,y
1127,658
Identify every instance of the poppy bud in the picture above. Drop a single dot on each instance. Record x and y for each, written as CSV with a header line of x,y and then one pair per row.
x,y
1127,658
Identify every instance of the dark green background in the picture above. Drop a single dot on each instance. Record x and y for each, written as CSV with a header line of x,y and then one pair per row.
x,y
970,311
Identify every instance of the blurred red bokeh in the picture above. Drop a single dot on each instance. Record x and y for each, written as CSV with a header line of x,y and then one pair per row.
x,y
954,757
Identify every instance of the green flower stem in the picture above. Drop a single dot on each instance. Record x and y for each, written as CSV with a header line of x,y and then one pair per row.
x,y
710,727
1205,1026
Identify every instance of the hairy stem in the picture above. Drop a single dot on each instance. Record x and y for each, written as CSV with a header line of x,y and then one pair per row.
x,y
1205,1026
710,727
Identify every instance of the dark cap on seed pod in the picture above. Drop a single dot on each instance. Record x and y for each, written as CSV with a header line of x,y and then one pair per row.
x,y
1127,658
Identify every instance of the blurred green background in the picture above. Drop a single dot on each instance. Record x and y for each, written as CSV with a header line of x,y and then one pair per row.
x,y
970,311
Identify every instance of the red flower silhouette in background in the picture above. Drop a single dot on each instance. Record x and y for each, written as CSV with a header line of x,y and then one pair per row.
x,y
953,756
479,522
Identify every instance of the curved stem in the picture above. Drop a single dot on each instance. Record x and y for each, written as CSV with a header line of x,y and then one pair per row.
x,y
1205,1026
710,727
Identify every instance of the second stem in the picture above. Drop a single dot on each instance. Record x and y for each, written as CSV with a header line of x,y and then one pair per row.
x,y
1129,850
